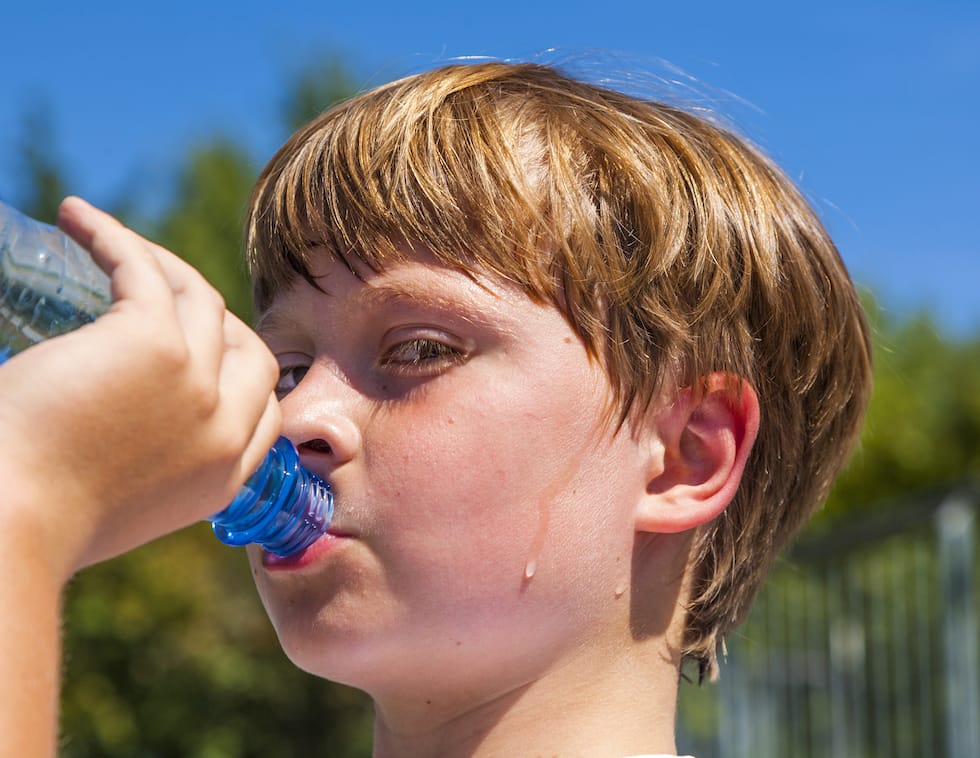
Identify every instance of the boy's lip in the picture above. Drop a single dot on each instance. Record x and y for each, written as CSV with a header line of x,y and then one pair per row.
x,y
330,541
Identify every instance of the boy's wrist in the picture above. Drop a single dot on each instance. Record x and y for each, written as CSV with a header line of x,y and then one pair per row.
x,y
31,539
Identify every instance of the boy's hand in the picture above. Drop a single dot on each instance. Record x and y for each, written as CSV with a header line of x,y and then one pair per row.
x,y
139,424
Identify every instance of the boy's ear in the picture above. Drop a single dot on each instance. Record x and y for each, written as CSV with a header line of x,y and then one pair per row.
x,y
698,451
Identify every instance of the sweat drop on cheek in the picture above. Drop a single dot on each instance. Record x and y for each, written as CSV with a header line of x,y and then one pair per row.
x,y
49,285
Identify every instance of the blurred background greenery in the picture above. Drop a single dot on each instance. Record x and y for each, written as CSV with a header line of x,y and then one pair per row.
x,y
168,651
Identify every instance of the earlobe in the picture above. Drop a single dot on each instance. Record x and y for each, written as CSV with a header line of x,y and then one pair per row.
x,y
703,442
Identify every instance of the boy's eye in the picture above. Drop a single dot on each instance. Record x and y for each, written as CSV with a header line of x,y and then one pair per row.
x,y
421,355
289,378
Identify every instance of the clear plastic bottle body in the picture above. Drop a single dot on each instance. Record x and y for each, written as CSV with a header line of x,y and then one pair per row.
x,y
49,286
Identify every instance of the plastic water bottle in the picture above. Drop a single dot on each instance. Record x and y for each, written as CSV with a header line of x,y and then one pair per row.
x,y
49,286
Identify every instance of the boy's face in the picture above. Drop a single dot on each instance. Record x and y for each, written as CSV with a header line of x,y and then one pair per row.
x,y
484,519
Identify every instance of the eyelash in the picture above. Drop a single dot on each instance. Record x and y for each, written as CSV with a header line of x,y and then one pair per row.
x,y
420,357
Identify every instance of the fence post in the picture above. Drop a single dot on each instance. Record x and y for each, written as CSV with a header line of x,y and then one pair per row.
x,y
962,671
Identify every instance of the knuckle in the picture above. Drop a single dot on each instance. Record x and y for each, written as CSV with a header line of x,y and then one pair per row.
x,y
161,345
230,443
173,354
205,398
175,360
217,300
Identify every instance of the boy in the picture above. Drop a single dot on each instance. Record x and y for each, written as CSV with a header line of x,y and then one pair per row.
x,y
576,366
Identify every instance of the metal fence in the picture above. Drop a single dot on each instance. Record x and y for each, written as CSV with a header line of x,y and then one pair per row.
x,y
864,643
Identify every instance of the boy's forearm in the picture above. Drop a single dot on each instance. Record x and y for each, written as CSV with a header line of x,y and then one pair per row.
x,y
30,596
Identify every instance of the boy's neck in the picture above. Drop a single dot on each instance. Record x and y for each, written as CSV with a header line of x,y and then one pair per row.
x,y
621,707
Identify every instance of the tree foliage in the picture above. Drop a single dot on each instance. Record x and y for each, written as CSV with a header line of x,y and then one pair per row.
x,y
204,223
168,653
42,183
923,423
317,88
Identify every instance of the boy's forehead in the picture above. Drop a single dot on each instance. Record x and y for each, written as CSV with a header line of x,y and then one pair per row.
x,y
418,278
376,257
390,260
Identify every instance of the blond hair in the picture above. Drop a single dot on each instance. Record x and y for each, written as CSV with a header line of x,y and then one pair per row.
x,y
673,246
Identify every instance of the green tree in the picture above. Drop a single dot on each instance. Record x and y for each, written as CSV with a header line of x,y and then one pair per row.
x,y
204,223
41,181
318,87
168,653
923,423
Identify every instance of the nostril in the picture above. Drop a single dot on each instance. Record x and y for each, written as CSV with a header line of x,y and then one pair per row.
x,y
316,446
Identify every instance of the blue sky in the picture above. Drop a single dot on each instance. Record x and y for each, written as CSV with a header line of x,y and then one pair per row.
x,y
874,108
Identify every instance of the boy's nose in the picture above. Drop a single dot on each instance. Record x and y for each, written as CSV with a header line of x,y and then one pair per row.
x,y
318,417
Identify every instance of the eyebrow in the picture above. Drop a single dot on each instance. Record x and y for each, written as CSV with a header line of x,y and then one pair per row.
x,y
461,305
279,321
388,294
274,321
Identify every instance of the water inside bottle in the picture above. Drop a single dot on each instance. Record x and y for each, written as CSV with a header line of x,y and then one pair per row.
x,y
32,309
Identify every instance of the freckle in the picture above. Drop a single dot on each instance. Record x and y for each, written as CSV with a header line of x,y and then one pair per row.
x,y
458,643
450,421
568,340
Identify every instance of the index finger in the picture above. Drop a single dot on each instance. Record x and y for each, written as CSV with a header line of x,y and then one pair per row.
x,y
126,257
